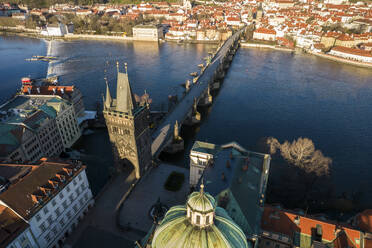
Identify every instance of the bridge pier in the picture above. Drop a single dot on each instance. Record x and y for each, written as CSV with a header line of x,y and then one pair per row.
x,y
193,117
207,98
176,144
216,85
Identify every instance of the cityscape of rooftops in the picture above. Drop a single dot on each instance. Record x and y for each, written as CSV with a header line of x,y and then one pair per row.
x,y
186,123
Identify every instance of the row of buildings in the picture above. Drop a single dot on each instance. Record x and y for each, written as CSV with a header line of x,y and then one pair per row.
x,y
40,121
42,203
339,29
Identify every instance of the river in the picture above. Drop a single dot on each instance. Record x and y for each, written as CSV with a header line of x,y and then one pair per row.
x,y
265,93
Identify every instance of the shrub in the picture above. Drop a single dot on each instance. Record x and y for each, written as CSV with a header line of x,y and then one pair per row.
x,y
174,181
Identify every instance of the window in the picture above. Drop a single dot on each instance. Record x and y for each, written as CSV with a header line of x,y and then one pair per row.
x,y
71,197
23,238
57,212
207,220
38,217
74,182
62,222
54,230
50,220
198,219
79,177
61,195
68,188
54,202
75,208
42,227
69,214
64,204
47,238
46,210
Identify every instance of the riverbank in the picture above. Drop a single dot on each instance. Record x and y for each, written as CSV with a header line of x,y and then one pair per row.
x,y
257,45
194,41
95,37
342,60
322,55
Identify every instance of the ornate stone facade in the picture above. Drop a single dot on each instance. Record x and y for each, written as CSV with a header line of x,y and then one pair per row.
x,y
128,127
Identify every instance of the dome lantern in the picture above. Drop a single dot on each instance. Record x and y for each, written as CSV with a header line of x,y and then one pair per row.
x,y
200,208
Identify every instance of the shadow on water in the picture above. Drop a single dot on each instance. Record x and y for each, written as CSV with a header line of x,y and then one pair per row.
x,y
95,151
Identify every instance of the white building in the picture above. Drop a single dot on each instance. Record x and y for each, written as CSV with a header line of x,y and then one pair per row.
x,y
54,30
18,233
51,199
148,32
264,34
201,156
352,54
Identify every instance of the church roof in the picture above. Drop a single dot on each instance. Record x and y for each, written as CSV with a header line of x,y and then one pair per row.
x,y
176,230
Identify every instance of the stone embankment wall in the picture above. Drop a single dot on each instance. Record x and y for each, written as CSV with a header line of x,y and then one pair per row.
x,y
256,45
342,60
96,37
16,29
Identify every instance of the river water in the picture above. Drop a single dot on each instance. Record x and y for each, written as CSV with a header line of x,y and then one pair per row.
x,y
265,93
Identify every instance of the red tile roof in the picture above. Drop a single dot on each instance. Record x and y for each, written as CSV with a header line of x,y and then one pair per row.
x,y
24,196
278,221
353,51
364,220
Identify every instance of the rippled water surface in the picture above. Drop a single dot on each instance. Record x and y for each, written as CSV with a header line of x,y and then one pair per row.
x,y
265,93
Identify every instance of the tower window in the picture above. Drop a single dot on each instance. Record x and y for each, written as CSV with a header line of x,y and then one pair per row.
x,y
198,219
207,220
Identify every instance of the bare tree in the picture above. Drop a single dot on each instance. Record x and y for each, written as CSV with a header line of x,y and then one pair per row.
x,y
302,154
273,144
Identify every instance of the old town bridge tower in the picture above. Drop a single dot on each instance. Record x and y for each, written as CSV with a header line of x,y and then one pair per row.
x,y
128,126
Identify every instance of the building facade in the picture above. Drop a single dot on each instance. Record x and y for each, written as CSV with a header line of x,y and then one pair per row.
x,y
51,199
128,127
35,126
148,32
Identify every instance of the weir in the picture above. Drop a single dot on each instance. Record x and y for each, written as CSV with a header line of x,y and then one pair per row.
x,y
213,72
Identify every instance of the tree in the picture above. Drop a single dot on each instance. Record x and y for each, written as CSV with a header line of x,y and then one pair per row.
x,y
299,172
302,154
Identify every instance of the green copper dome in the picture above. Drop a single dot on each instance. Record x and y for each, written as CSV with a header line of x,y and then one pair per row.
x,y
199,224
201,202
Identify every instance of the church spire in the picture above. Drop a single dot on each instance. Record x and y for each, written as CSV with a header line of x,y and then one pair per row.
x,y
108,96
124,97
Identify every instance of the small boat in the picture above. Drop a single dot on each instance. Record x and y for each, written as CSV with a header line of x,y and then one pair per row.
x,y
201,65
194,74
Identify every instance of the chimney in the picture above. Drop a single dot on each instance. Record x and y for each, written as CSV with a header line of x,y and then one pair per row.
x,y
297,220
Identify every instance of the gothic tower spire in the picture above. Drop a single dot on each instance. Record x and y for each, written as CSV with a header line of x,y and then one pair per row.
x,y
124,97
108,99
